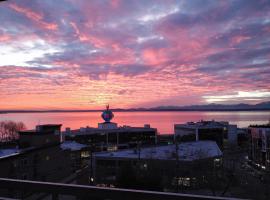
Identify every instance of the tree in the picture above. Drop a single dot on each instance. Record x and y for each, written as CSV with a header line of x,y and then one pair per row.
x,y
9,130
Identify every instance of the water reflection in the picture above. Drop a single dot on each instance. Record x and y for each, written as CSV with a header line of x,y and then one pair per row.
x,y
164,121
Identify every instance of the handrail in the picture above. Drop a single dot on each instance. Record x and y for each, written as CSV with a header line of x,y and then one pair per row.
x,y
98,192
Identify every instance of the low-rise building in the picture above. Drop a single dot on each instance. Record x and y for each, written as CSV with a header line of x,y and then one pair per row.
x,y
79,154
109,136
113,139
165,139
206,130
259,151
242,137
182,164
47,134
40,156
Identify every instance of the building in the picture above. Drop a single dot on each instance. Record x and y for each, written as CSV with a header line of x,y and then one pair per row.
x,y
259,151
206,130
243,137
79,154
109,136
39,156
113,139
182,164
165,139
47,134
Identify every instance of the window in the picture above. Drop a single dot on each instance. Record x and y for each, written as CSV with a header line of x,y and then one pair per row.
x,y
85,154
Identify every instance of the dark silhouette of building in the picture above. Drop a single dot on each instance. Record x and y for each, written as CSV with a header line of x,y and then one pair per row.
x,y
109,136
259,151
206,130
38,156
181,164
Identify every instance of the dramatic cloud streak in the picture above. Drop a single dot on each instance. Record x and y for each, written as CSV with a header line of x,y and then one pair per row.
x,y
83,54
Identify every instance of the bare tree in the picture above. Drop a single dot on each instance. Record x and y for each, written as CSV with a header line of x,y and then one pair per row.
x,y
9,130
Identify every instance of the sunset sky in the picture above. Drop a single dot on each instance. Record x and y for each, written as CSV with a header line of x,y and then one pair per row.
x,y
83,54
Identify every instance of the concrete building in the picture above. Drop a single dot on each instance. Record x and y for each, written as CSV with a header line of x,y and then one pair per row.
x,y
206,130
259,151
182,164
109,136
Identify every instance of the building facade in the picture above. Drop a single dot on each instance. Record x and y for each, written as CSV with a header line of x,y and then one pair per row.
x,y
259,151
40,156
109,136
166,166
206,130
117,138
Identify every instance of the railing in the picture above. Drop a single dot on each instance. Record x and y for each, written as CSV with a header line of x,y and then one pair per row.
x,y
92,192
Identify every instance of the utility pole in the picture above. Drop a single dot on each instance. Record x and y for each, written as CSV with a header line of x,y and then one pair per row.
x,y
177,165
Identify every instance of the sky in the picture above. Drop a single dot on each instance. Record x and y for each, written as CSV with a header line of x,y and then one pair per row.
x,y
83,54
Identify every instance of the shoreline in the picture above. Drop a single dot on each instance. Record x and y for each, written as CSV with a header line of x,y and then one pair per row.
x,y
139,110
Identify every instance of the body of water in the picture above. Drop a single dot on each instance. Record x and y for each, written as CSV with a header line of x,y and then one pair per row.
x,y
163,121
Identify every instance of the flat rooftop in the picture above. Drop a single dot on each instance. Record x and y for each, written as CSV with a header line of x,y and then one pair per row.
x,y
9,152
73,146
91,130
188,151
202,124
40,129
260,126
49,125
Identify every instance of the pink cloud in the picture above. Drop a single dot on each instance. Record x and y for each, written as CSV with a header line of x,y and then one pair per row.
x,y
4,38
84,54
35,16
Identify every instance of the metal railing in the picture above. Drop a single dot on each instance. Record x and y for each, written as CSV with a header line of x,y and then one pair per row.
x,y
92,192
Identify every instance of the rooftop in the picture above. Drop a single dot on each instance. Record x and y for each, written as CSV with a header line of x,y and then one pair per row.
x,y
13,152
49,125
260,126
188,151
203,124
8,152
91,130
73,146
41,129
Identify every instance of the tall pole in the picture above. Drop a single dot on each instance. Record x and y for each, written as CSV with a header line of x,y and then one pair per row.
x,y
91,164
177,165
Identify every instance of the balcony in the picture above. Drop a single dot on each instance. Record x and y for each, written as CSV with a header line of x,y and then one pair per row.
x,y
57,191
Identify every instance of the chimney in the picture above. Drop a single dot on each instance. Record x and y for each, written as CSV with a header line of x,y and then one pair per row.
x,y
147,126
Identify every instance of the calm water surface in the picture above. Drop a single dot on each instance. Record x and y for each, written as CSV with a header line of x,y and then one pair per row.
x,y
163,121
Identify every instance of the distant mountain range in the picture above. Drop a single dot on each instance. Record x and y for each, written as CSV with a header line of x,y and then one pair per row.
x,y
217,107
208,107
